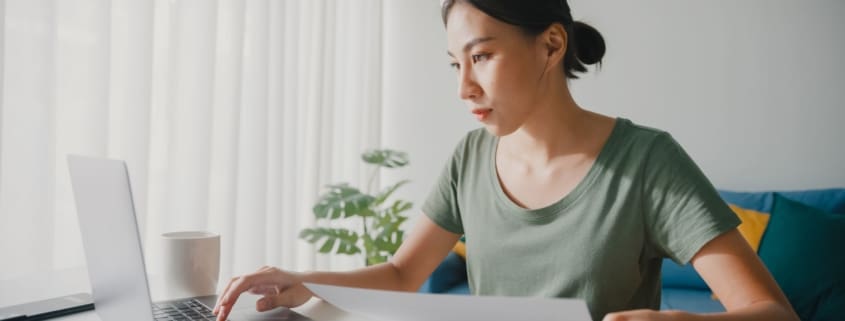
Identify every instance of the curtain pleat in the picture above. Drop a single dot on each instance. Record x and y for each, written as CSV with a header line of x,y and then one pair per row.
x,y
130,94
226,106
292,218
81,86
27,158
251,195
275,130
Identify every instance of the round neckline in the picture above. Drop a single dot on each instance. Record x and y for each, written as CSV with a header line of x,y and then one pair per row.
x,y
550,211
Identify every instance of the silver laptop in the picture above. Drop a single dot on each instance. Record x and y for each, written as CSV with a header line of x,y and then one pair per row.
x,y
113,251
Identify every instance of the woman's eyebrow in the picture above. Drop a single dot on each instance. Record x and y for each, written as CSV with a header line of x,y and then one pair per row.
x,y
472,43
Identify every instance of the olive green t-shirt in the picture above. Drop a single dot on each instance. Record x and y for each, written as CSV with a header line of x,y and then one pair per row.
x,y
642,200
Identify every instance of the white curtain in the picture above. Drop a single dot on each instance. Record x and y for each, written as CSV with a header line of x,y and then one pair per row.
x,y
231,114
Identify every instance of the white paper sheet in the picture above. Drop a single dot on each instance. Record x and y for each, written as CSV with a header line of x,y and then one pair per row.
x,y
406,306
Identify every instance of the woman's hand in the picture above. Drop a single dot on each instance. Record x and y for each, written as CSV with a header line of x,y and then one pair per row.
x,y
643,315
278,288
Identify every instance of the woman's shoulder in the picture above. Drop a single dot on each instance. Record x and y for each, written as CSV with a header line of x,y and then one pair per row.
x,y
633,145
479,134
473,143
475,139
639,130
642,137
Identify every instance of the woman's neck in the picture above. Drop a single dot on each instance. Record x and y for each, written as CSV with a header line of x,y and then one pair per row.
x,y
557,127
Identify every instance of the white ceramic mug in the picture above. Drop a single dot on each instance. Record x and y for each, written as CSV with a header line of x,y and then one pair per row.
x,y
191,263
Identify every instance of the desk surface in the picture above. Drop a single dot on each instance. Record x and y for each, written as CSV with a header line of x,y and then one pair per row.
x,y
63,282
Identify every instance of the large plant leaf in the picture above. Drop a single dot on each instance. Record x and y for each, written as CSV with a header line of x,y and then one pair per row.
x,y
385,158
385,194
382,235
369,245
376,259
388,224
391,218
378,250
389,242
345,240
342,200
395,211
400,206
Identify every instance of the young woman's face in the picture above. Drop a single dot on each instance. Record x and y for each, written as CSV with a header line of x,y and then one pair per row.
x,y
498,67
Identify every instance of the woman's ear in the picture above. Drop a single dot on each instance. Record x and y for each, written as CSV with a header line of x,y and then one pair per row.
x,y
555,40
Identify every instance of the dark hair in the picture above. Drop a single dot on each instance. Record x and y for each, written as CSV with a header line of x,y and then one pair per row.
x,y
585,45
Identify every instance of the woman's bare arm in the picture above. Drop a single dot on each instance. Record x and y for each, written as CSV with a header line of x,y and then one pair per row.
x,y
417,257
426,246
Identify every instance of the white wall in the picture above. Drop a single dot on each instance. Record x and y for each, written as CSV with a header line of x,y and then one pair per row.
x,y
422,113
754,90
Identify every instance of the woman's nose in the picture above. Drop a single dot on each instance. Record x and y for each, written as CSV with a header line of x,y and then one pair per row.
x,y
468,88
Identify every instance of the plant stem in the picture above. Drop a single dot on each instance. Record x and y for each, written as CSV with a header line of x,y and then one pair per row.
x,y
364,218
366,249
372,179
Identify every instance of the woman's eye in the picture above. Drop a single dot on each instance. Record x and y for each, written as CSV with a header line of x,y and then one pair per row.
x,y
455,65
480,57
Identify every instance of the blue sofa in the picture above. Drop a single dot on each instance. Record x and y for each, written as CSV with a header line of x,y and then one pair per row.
x,y
683,289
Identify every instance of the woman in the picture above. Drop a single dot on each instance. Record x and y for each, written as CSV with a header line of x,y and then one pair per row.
x,y
555,200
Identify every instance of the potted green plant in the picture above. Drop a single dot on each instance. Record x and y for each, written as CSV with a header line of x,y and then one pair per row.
x,y
381,235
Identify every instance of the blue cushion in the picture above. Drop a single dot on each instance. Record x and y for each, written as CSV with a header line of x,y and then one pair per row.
x,y
676,276
696,301
803,249
450,272
460,288
830,200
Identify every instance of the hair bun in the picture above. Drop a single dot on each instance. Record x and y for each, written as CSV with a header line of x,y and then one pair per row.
x,y
589,43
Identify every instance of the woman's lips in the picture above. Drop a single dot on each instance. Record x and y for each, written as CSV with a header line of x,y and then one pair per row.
x,y
481,113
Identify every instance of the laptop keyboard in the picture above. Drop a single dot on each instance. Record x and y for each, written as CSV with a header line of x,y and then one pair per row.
x,y
187,310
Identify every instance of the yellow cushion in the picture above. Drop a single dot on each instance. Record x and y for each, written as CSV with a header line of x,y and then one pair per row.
x,y
460,249
753,225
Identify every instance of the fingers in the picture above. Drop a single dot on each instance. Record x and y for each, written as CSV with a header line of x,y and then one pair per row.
x,y
220,297
230,295
222,313
265,289
228,285
291,297
267,280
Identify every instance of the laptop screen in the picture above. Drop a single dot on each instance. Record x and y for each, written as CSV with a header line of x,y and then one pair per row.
x,y
110,238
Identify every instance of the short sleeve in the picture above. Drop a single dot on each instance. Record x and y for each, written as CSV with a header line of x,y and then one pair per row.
x,y
442,203
682,209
